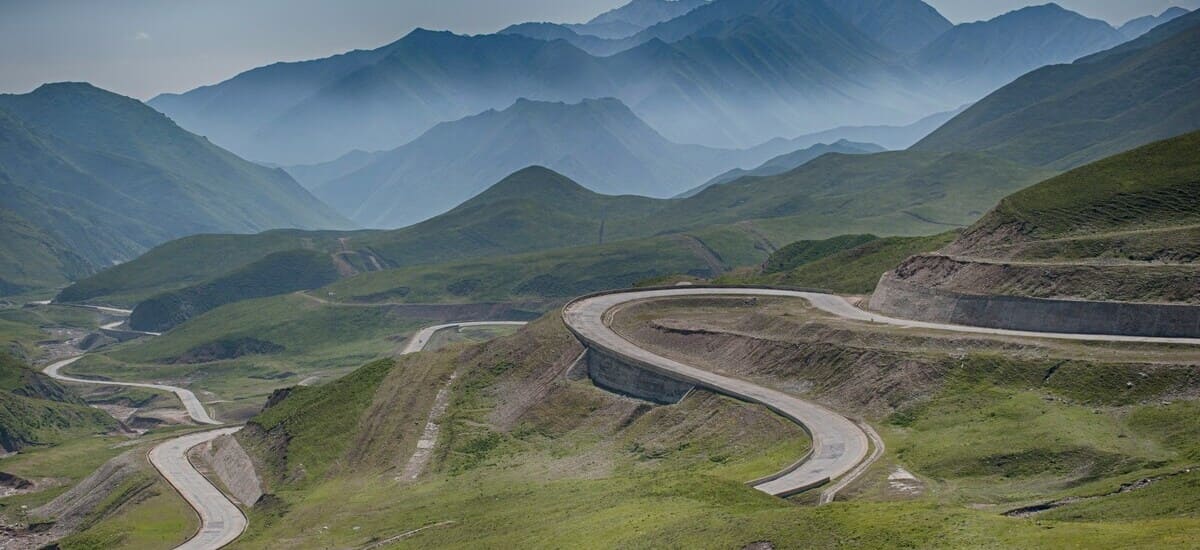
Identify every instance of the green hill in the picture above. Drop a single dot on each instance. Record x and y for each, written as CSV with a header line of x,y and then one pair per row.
x,y
536,209
94,176
1126,228
36,411
1068,115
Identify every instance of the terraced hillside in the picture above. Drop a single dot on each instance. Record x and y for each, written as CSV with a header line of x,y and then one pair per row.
x,y
1125,229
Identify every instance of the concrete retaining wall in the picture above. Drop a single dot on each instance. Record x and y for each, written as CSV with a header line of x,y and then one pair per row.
x,y
900,299
615,375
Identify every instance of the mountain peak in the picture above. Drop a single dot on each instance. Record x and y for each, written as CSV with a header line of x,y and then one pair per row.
x,y
532,182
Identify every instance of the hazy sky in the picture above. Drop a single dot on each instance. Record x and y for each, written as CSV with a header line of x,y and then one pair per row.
x,y
144,47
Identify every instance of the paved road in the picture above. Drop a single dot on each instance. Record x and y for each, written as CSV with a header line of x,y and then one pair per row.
x,y
839,444
194,407
421,339
221,521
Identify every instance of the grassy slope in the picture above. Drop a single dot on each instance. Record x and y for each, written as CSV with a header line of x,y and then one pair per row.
x,y
889,193
1121,229
1154,186
276,273
993,433
36,411
108,177
1068,115
838,264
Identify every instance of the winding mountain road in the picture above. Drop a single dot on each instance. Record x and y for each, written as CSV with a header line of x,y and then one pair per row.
x,y
194,407
840,446
221,521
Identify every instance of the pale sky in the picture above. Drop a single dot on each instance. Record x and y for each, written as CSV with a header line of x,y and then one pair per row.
x,y
142,48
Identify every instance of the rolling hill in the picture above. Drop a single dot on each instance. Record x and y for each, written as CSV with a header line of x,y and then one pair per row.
x,y
598,143
1068,115
790,161
977,58
37,411
91,178
1122,229
537,223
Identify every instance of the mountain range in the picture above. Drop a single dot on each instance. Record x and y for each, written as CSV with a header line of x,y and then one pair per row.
x,y
1065,116
599,143
789,161
977,58
1142,25
90,178
727,73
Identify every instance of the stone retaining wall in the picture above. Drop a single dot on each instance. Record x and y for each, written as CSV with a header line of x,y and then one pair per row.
x,y
907,301
614,375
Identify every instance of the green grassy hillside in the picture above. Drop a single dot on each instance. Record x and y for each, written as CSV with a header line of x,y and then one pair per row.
x,y
105,178
36,411
1065,116
1121,229
851,264
536,209
277,273
1150,187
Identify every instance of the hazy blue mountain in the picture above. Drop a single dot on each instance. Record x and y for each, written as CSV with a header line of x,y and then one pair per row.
x,y
644,13
734,73
902,25
892,138
91,178
599,143
785,67
789,161
1142,25
1068,115
554,31
974,59
612,31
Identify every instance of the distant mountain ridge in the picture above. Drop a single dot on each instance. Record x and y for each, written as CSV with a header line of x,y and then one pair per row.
x,y
980,57
90,178
789,161
726,73
1065,116
598,142
1142,25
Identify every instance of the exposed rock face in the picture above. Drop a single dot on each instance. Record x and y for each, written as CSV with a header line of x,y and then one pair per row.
x,y
899,298
226,458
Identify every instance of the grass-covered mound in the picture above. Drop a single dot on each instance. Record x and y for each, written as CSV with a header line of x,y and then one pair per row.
x,y
1121,229
36,411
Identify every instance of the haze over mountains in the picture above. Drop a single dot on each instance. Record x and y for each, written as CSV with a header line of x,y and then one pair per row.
x,y
90,178
1064,116
600,142
730,73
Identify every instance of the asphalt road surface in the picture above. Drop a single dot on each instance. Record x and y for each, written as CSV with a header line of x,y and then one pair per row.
x,y
221,521
840,447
